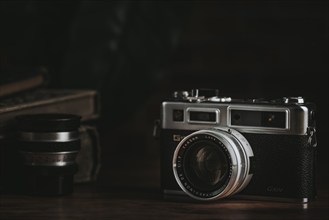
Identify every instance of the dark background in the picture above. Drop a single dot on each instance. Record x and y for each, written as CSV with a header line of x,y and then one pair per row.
x,y
136,53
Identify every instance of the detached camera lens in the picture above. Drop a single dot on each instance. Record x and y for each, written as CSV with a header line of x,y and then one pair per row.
x,y
49,144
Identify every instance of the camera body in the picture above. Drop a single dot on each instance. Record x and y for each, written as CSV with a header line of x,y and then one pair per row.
x,y
214,147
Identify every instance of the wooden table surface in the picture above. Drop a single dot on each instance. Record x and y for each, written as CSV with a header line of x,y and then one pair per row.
x,y
128,187
88,202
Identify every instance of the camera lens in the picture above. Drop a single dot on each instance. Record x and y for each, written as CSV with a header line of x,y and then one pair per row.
x,y
49,144
212,164
208,166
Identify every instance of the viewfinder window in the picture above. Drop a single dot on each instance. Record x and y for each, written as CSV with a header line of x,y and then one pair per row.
x,y
203,116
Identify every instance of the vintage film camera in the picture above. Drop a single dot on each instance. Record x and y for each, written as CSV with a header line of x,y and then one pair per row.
x,y
214,147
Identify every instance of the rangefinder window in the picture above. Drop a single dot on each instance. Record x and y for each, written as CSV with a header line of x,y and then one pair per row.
x,y
178,115
270,119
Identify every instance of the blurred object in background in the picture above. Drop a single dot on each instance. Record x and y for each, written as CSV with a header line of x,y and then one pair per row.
x,y
19,80
122,48
88,158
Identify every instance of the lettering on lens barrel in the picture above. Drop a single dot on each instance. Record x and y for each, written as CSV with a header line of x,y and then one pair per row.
x,y
48,144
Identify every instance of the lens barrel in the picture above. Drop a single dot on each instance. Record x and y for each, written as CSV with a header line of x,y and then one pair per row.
x,y
48,144
212,164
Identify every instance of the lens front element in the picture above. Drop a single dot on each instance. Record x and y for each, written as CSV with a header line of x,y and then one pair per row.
x,y
212,164
207,165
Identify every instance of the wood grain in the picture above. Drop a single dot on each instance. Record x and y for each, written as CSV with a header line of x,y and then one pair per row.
x,y
95,202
